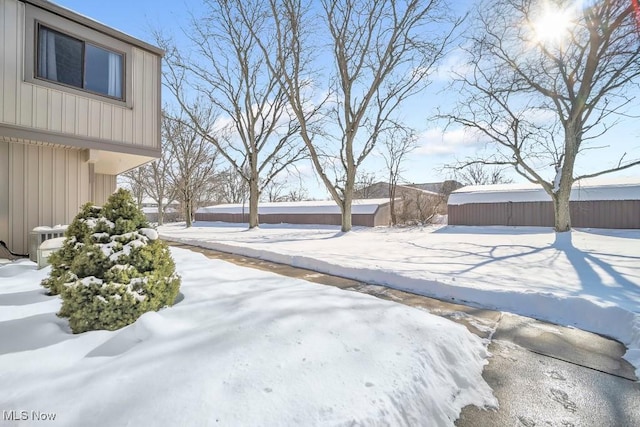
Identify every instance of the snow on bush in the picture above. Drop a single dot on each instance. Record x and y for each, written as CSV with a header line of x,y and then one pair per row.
x,y
111,268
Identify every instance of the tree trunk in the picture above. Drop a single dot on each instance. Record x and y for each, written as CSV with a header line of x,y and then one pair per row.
x,y
392,207
346,215
160,213
254,195
187,211
561,212
347,198
564,182
392,202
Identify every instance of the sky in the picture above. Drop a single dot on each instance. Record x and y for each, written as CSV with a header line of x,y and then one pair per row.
x,y
437,146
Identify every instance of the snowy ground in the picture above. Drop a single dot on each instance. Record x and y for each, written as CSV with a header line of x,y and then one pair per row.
x,y
244,347
591,281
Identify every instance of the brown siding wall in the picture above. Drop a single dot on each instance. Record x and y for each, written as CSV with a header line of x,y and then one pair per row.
x,y
606,214
368,220
584,214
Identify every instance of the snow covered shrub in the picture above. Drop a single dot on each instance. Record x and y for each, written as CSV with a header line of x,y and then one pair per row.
x,y
77,233
112,268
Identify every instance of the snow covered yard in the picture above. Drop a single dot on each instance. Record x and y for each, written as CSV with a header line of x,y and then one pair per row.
x,y
591,282
244,347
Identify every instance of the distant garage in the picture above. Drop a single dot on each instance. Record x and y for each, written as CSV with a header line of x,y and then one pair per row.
x,y
365,212
594,204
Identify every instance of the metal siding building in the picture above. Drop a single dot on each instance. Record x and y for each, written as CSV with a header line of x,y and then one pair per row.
x,y
366,213
594,204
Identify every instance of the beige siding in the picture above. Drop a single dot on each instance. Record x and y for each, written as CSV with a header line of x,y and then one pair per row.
x,y
382,217
31,105
10,45
4,191
46,186
45,174
104,186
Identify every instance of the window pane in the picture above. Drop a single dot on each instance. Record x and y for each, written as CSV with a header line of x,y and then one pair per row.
x,y
103,71
59,57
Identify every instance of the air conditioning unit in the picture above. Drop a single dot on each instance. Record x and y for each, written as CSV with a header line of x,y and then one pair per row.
x,y
47,248
39,234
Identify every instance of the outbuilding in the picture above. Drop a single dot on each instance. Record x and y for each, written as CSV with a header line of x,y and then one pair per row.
x,y
365,212
593,204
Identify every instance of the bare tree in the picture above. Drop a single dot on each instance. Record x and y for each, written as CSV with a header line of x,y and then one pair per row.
x,y
226,72
362,188
155,179
481,174
299,194
157,176
193,163
543,94
420,207
448,187
275,191
397,144
136,180
230,187
285,189
381,52
160,186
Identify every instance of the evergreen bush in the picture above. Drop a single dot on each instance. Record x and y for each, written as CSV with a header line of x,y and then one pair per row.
x,y
111,268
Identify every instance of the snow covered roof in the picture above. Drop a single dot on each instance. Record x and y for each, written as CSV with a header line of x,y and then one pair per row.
x,y
152,201
584,190
437,187
421,190
359,206
154,209
59,228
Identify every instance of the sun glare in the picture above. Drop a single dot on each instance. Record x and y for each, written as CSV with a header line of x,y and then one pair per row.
x,y
552,26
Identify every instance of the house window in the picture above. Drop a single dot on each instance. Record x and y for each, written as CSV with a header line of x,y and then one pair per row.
x,y
77,63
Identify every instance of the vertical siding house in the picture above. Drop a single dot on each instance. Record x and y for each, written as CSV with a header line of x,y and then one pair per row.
x,y
79,104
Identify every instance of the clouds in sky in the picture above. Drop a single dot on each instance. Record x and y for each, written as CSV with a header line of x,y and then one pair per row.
x,y
444,142
454,64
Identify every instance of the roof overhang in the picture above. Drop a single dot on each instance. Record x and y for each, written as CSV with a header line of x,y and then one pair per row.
x,y
111,158
93,24
111,163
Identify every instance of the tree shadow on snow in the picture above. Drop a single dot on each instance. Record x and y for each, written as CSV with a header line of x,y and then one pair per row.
x,y
24,297
492,229
586,264
591,267
619,233
450,256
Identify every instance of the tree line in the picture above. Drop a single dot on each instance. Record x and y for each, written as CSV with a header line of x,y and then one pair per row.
x,y
189,174
263,84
